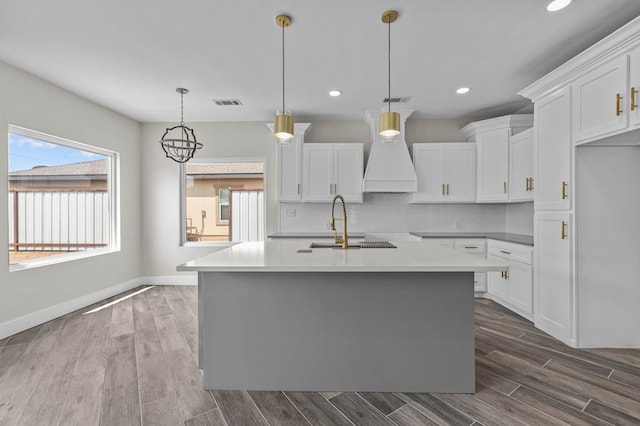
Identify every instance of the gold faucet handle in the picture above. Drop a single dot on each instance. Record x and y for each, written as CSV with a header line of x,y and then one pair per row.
x,y
332,224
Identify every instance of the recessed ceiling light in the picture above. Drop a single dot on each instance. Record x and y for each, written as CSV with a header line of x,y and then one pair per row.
x,y
463,90
335,93
556,5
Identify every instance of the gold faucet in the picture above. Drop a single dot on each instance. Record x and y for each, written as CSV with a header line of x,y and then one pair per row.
x,y
345,239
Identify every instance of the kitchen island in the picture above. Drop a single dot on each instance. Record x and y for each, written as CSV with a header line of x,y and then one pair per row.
x,y
280,316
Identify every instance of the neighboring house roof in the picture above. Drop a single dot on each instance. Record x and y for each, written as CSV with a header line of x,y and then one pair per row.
x,y
224,168
99,169
96,168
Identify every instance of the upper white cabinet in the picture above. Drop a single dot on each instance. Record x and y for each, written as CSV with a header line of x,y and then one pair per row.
x,y
521,167
552,159
634,88
600,101
606,99
445,171
493,165
289,158
329,169
492,138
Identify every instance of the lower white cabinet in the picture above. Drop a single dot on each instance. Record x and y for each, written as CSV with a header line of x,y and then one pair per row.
x,y
473,246
514,288
553,277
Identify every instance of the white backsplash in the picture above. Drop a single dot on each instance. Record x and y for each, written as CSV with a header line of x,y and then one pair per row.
x,y
393,213
520,218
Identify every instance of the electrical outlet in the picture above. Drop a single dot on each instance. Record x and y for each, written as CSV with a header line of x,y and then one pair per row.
x,y
203,213
456,225
290,212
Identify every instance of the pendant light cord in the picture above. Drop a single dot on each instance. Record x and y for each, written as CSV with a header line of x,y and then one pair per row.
x,y
283,111
389,63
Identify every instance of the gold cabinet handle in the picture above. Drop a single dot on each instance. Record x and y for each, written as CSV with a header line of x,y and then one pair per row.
x,y
564,230
298,189
471,247
447,189
505,252
335,188
526,184
443,189
504,186
564,190
634,92
530,184
618,104
502,274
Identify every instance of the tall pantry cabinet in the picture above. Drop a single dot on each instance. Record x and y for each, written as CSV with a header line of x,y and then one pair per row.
x,y
586,201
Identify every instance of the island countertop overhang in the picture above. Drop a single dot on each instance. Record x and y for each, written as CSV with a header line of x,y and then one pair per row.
x,y
284,256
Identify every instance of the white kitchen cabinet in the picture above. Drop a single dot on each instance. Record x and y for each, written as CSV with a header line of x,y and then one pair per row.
x,y
472,246
513,288
552,146
552,274
600,101
330,169
634,88
493,166
445,172
521,166
289,160
493,139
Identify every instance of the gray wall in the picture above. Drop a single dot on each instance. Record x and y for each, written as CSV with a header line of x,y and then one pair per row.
x,y
30,102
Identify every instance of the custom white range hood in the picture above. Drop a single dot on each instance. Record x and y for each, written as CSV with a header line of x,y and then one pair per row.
x,y
389,168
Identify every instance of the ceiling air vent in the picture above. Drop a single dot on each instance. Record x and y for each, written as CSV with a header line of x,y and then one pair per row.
x,y
396,100
227,102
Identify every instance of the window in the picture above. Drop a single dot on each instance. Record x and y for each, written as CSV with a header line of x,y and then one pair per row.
x,y
222,201
223,205
62,201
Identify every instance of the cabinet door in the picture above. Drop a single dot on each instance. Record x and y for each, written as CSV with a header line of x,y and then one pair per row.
x,y
496,281
521,286
552,152
460,173
480,282
493,165
600,101
521,166
634,86
429,163
348,167
552,274
289,170
317,177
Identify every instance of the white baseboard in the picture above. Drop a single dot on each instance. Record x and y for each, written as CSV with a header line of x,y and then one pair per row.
x,y
25,322
182,279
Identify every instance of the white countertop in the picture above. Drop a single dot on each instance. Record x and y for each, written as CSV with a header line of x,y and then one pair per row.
x,y
282,256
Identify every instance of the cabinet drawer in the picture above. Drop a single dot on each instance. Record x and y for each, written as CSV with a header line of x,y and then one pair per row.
x,y
444,242
473,246
510,251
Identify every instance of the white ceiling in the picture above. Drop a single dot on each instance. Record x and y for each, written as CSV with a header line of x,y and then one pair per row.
x,y
131,55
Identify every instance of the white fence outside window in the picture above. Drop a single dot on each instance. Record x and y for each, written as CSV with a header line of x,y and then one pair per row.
x,y
58,220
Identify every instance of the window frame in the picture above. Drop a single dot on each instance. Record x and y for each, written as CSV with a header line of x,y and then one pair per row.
x,y
113,189
219,220
183,198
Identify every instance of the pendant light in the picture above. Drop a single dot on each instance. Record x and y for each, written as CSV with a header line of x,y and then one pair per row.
x,y
389,121
283,126
183,145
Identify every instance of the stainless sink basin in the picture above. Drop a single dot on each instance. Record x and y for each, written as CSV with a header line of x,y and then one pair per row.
x,y
361,244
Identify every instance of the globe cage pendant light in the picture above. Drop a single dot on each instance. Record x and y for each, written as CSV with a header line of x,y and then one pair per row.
x,y
389,121
181,147
283,125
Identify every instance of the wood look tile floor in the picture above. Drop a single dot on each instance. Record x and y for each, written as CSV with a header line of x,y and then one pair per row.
x,y
134,362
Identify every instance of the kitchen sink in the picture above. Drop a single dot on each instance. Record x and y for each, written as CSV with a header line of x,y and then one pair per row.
x,y
361,244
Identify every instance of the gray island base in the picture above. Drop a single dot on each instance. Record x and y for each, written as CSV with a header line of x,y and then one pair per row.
x,y
337,331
